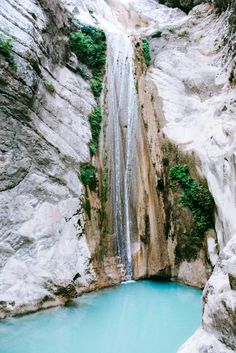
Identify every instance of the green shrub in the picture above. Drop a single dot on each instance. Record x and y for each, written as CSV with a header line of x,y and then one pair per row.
x,y
87,175
49,86
196,197
146,51
93,147
96,86
95,120
6,51
89,44
157,34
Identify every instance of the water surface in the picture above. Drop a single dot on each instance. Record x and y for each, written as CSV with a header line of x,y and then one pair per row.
x,y
138,317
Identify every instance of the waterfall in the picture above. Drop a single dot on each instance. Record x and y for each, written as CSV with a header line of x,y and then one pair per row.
x,y
123,118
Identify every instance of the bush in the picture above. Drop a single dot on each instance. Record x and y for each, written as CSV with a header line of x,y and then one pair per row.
x,y
87,175
199,201
146,51
96,86
6,51
49,86
89,44
196,197
95,120
93,147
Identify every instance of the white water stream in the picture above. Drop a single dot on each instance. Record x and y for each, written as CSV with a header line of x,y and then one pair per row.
x,y
123,121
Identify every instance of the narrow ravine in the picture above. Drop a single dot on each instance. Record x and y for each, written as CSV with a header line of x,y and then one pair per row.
x,y
117,155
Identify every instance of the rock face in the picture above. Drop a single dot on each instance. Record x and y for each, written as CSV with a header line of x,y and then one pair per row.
x,y
44,138
183,93
219,308
50,249
185,5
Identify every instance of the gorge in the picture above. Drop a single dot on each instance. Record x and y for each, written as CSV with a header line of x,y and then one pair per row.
x,y
118,153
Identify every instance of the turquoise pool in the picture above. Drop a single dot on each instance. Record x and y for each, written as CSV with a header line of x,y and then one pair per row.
x,y
137,317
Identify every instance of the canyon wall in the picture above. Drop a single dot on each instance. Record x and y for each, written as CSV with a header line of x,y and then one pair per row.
x,y
58,236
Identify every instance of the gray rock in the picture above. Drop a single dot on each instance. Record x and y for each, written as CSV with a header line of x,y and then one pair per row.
x,y
43,140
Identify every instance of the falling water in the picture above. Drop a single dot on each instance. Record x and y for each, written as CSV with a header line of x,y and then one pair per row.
x,y
122,124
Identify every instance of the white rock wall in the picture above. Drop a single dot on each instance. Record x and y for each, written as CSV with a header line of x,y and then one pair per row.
x,y
44,139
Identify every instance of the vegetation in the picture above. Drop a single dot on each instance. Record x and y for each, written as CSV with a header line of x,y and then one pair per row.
x,y
157,34
6,51
85,206
87,175
95,120
89,44
96,83
182,33
5,110
146,51
49,86
197,198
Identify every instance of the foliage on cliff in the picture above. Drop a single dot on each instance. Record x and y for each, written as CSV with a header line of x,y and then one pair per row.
x,y
87,175
95,120
197,198
89,44
146,51
6,52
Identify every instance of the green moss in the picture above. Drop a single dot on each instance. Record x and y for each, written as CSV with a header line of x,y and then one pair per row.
x,y
87,175
49,86
182,33
6,51
196,197
95,120
146,51
5,110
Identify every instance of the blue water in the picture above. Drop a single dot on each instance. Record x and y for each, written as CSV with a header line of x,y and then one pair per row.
x,y
138,317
